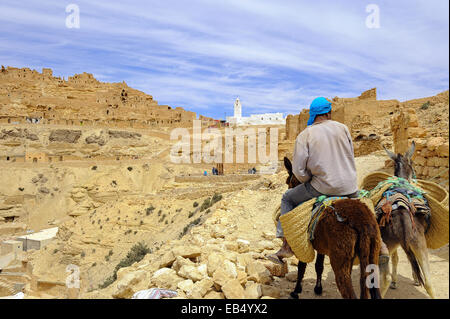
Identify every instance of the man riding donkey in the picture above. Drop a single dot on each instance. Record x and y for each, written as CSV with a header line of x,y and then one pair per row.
x,y
324,163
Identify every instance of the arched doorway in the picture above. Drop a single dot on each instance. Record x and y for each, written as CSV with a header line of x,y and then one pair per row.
x,y
34,160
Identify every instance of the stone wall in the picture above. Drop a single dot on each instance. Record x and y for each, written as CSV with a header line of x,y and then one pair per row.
x,y
291,127
363,116
431,158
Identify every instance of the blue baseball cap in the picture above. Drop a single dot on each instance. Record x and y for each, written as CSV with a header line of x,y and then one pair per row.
x,y
319,105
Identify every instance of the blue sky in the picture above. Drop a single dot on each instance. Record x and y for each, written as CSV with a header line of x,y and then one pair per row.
x,y
275,55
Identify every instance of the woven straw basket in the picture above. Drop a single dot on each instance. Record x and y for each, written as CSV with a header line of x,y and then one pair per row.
x,y
295,227
438,233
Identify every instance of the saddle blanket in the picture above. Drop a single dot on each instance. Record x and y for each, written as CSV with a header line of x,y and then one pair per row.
x,y
395,198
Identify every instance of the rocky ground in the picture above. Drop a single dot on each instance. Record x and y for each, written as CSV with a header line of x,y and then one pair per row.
x,y
223,256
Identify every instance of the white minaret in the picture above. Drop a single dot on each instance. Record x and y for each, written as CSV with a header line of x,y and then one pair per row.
x,y
237,109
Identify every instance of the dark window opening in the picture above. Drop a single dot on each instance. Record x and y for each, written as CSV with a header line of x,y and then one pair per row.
x,y
9,219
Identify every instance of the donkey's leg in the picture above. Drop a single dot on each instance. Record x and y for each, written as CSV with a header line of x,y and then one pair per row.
x,y
300,273
394,269
416,280
343,273
319,270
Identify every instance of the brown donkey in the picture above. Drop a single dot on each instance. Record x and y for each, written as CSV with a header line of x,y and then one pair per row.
x,y
401,232
356,235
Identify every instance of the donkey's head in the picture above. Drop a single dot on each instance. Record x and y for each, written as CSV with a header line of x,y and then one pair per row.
x,y
403,163
291,181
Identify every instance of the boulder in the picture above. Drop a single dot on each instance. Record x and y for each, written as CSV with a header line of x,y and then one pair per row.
x,y
200,288
215,261
198,240
242,277
165,278
187,251
231,245
230,268
186,285
243,245
257,272
180,262
122,272
233,290
253,290
167,260
242,260
218,231
192,272
221,277
270,291
266,245
268,235
128,285
214,295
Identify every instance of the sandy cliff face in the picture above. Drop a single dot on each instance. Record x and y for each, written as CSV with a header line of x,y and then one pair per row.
x,y
71,143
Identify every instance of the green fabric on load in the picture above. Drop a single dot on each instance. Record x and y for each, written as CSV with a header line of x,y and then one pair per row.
x,y
396,182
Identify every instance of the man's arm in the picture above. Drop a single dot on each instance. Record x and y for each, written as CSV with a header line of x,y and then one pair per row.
x,y
349,139
300,159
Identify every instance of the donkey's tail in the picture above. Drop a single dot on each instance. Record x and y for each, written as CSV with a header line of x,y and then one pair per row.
x,y
369,245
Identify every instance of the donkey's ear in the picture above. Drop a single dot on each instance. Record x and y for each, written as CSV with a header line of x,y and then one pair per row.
x,y
390,154
288,164
411,150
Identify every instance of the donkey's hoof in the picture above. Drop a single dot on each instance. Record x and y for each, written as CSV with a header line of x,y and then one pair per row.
x,y
393,285
293,295
318,290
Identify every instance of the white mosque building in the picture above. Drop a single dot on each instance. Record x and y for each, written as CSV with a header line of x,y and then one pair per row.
x,y
254,119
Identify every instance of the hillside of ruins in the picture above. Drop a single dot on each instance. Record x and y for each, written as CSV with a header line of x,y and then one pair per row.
x,y
87,180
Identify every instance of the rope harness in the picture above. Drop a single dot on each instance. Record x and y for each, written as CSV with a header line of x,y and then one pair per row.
x,y
319,207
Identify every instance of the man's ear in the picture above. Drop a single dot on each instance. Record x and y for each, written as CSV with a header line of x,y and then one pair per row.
x,y
390,154
288,165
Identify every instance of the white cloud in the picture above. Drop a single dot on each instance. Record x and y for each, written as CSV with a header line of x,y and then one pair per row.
x,y
277,56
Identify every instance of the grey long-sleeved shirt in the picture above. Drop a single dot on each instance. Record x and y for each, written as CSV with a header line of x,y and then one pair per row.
x,y
323,155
